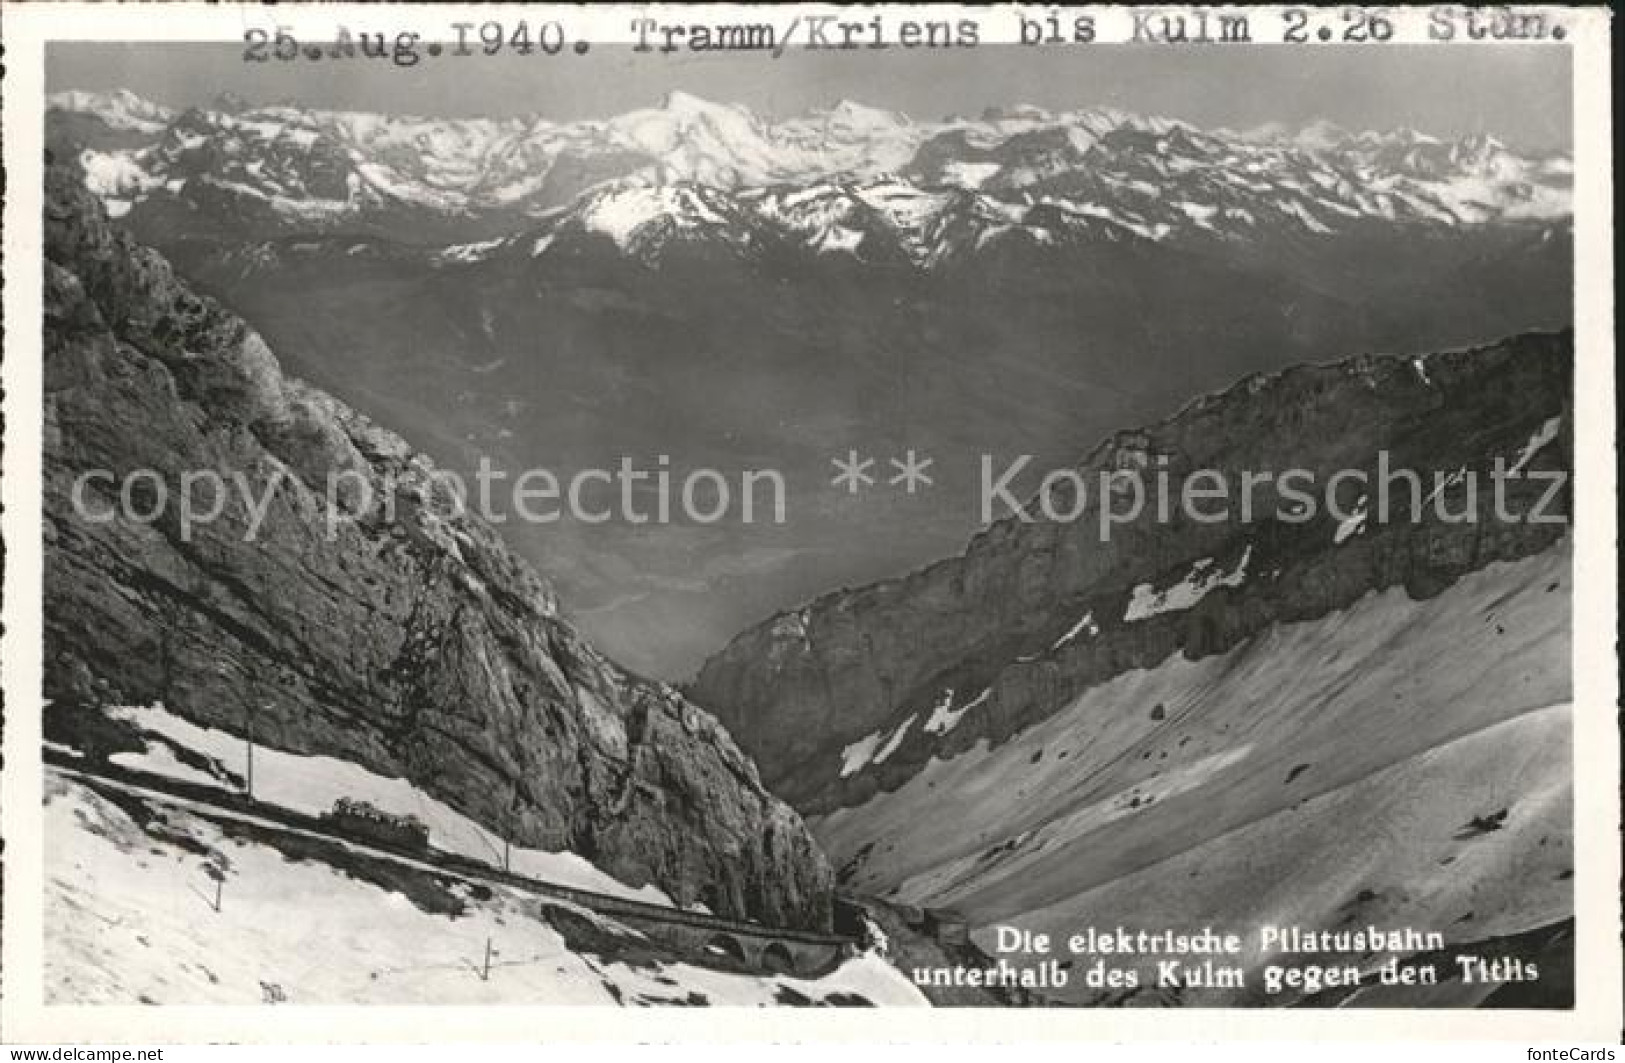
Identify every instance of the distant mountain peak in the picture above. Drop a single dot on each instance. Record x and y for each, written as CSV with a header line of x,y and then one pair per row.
x,y
680,102
230,103
1100,168
120,109
1018,111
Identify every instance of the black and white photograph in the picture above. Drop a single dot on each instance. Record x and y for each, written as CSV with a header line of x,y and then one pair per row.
x,y
898,508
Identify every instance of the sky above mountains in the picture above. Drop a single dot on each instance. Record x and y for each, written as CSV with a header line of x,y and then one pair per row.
x,y
1519,93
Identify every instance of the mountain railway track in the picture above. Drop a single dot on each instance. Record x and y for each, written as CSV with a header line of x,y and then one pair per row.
x,y
745,943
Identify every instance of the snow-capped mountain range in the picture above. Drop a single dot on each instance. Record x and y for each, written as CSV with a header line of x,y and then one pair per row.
x,y
850,180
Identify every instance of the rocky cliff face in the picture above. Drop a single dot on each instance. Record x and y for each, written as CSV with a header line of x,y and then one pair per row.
x,y
411,641
855,693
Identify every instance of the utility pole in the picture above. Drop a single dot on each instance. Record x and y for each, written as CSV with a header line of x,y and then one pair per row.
x,y
508,823
217,873
485,974
250,776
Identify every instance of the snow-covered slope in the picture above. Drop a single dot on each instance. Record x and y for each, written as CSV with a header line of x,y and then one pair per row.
x,y
183,750
1019,170
1326,775
1035,611
131,917
522,727
459,166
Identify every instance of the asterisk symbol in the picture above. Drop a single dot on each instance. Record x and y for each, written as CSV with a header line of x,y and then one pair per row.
x,y
854,472
911,472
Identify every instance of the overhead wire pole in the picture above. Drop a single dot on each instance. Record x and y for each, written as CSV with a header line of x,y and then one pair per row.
x,y
250,772
507,826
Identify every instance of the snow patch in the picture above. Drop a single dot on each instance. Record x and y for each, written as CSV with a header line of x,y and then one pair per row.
x,y
116,173
944,717
311,784
969,174
857,756
896,740
869,750
620,213
1441,486
1202,579
474,252
840,238
1353,524
1087,623
1537,442
1199,213
1299,211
